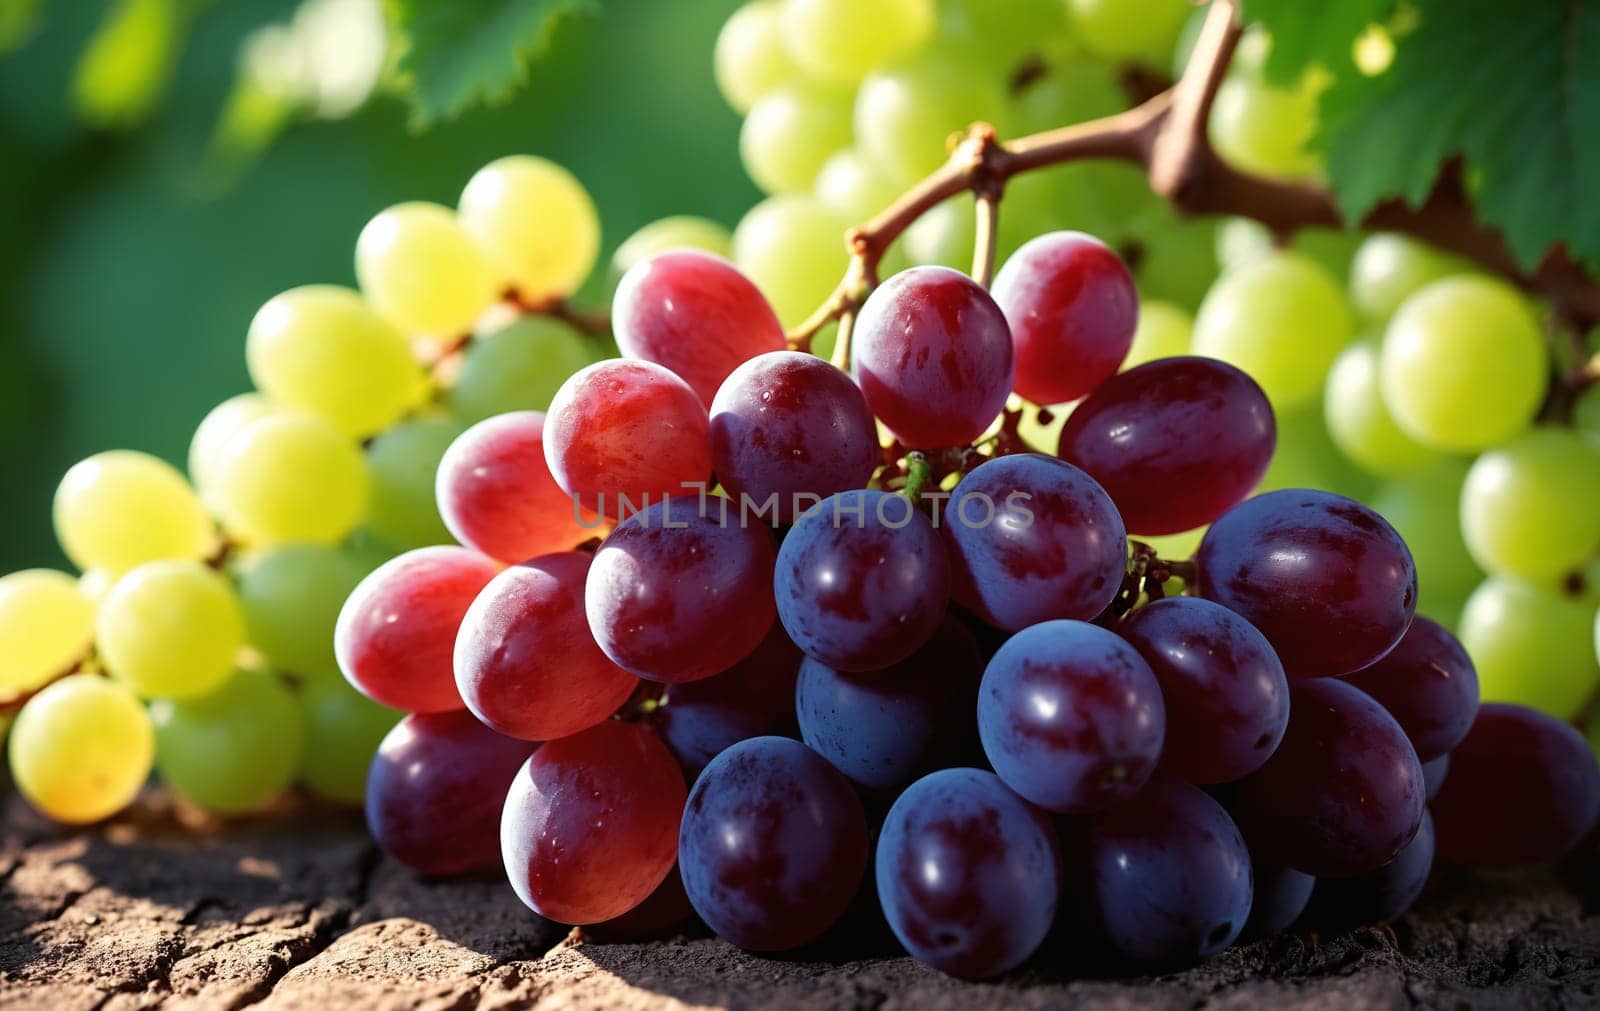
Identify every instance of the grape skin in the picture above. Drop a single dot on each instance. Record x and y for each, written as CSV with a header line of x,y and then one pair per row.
x,y
1433,775
825,38
291,477
1528,508
1280,896
234,749
789,133
46,626
1377,896
1425,509
121,508
343,730
420,270
755,697
535,222
518,367
403,463
792,247
212,435
1428,684
679,231
906,111
170,629
80,749
1359,422
290,598
750,58
1531,645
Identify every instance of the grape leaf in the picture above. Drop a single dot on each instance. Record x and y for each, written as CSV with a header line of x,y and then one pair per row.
x,y
461,53
1321,33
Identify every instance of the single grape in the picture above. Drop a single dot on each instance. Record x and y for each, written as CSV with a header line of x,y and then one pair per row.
x,y
517,368
1523,789
396,634
1463,365
933,356
1281,895
1359,421
1071,716
403,463
1325,579
862,580
773,844
680,231
1428,684
850,185
1377,896
1264,128
1528,508
1224,690
211,438
1164,331
1175,443
750,58
80,749
290,598
496,495
682,590
906,112
830,39
1128,29
436,790
884,727
343,730
1034,538
591,823
1388,268
944,236
623,434
1425,509
233,749
694,314
1164,877
525,661
170,629
119,509
789,429
46,627
1433,775
422,272
535,222
1343,793
790,131
1531,645
322,350
793,248
1177,256
968,874
1072,310
699,720
1280,318
291,477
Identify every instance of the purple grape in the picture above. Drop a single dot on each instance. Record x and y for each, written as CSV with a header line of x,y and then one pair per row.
x,y
790,425
773,844
435,790
1226,696
1428,684
1281,895
1176,442
1378,895
1433,774
1034,538
883,727
698,720
681,590
933,356
1523,789
1342,794
1164,877
968,873
1325,579
862,580
1071,716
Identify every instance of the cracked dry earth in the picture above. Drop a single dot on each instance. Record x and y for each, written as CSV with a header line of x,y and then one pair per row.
x,y
299,910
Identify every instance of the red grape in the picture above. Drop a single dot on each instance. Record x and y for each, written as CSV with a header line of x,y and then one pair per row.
x,y
1428,684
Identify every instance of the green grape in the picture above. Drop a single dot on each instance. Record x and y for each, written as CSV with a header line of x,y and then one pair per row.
x,y
1425,508
81,749
220,424
791,131
95,584
1463,365
1265,129
750,59
1068,93
1586,414
1360,423
422,272
1176,259
1387,268
681,231
1531,645
1241,240
1129,29
517,368
905,114
46,626
291,477
1333,248
170,629
322,350
944,236
1305,457
290,598
120,508
793,249
1531,508
343,730
841,40
233,749
403,462
1163,332
853,188
536,222
1001,34
1280,318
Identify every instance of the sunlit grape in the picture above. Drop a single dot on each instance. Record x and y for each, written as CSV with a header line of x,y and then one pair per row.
x,y
402,463
46,625
170,629
1531,644
1531,508
120,508
536,223
791,131
81,749
750,58
422,272
840,40
518,368
1387,268
1264,128
1164,331
1360,422
680,231
234,748
793,249
905,114
1129,29
291,477
220,425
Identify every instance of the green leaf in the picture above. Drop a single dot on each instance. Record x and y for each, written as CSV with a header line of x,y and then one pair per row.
x,y
1321,33
461,53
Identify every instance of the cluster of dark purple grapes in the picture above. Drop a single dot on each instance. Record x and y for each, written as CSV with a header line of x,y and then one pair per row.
x,y
1000,708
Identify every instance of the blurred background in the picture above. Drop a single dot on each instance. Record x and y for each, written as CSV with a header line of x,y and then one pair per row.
x,y
168,165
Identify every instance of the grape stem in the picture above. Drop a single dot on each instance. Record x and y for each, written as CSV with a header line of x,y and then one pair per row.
x,y
919,471
1166,135
986,238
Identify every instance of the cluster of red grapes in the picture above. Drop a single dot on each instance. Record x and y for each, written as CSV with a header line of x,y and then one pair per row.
x,y
1001,704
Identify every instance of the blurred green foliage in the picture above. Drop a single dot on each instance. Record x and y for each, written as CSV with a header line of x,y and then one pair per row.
x,y
130,266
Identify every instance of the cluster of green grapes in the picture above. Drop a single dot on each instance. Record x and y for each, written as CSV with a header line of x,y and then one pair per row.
x,y
199,637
